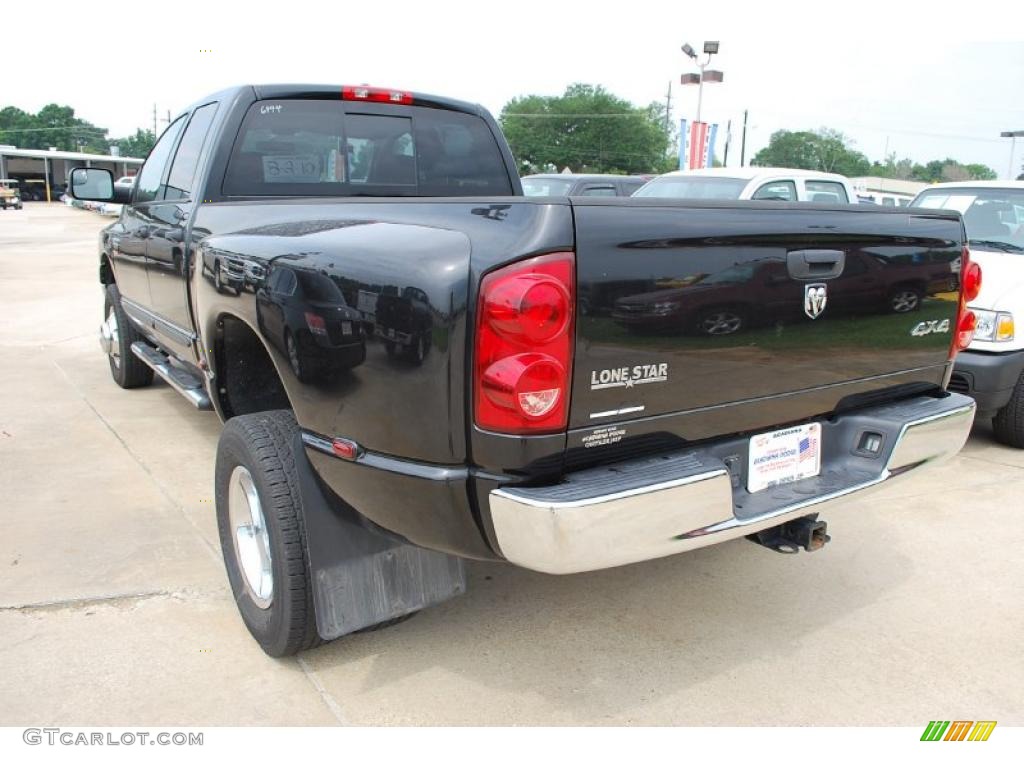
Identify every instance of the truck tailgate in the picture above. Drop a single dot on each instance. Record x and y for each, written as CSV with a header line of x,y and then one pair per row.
x,y
686,307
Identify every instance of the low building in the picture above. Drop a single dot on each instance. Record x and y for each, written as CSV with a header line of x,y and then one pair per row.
x,y
889,192
40,170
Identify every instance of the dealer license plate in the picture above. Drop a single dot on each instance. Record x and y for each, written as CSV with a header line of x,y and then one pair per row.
x,y
783,456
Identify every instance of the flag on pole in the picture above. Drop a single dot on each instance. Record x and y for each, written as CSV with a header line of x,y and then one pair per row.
x,y
684,145
696,145
709,152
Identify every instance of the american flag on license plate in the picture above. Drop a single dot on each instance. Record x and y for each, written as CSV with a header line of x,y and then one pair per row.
x,y
807,448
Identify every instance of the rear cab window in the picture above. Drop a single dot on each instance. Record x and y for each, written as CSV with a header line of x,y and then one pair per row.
x,y
600,190
825,192
312,147
542,187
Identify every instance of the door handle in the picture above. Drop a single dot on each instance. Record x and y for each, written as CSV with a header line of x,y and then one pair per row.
x,y
815,264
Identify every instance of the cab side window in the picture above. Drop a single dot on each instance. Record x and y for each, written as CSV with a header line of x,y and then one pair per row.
x,y
147,187
186,159
776,190
826,192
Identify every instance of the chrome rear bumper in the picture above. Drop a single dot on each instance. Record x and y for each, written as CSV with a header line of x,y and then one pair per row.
x,y
656,506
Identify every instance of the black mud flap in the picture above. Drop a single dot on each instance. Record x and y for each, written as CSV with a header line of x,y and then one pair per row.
x,y
362,575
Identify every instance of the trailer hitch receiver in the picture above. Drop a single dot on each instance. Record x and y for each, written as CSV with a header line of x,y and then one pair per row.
x,y
806,532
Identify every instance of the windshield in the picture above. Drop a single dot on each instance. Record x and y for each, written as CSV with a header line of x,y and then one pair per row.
x,y
993,218
546,187
694,187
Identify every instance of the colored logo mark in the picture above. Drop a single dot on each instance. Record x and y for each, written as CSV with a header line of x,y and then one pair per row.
x,y
958,730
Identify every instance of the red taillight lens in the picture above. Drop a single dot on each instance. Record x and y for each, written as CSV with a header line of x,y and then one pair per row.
x,y
965,330
971,279
524,344
366,93
532,307
316,324
528,383
970,287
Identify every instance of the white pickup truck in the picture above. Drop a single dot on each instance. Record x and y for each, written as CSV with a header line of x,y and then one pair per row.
x,y
991,370
793,185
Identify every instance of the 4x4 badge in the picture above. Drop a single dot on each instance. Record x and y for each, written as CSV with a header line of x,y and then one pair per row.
x,y
815,299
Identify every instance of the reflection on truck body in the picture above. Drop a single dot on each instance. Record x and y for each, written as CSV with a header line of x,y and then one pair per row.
x,y
304,315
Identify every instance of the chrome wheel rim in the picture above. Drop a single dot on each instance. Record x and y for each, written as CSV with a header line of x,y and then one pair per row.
x,y
251,537
904,301
721,323
114,337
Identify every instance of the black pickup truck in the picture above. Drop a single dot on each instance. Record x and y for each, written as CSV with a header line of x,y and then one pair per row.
x,y
417,364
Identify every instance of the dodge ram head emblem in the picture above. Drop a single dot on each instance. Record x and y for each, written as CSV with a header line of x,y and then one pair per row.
x,y
815,299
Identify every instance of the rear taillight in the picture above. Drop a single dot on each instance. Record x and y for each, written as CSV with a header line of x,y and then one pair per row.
x,y
970,287
316,324
366,93
524,343
972,278
965,330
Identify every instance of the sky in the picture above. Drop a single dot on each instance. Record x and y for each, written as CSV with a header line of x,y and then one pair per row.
x,y
926,80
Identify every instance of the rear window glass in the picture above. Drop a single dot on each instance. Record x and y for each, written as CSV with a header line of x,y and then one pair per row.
x,y
314,147
694,187
546,187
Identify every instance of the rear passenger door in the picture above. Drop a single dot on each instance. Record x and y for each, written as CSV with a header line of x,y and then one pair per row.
x,y
168,251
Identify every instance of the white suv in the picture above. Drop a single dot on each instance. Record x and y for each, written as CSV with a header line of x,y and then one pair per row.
x,y
992,369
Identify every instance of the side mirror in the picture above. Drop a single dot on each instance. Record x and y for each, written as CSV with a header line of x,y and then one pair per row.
x,y
97,185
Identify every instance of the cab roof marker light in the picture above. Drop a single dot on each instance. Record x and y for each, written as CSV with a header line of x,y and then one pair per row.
x,y
380,95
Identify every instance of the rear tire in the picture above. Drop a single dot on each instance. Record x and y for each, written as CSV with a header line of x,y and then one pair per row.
x,y
126,369
279,616
1008,423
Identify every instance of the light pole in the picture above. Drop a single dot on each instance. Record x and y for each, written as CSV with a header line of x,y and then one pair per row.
x,y
1012,136
706,75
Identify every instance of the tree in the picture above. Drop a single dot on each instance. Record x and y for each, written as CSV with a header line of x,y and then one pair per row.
x,y
980,172
586,129
138,145
821,150
55,125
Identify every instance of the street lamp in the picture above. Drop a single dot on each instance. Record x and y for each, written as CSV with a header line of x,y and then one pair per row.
x,y
1012,136
706,75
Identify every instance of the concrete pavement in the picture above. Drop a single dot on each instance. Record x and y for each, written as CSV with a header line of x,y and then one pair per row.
x,y
114,607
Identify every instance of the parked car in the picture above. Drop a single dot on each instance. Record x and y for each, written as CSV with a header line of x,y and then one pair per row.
x,y
10,194
583,184
752,183
528,432
991,370
405,323
304,315
759,293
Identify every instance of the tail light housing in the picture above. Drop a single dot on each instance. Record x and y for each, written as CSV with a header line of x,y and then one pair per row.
x,y
317,325
524,343
380,95
970,287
